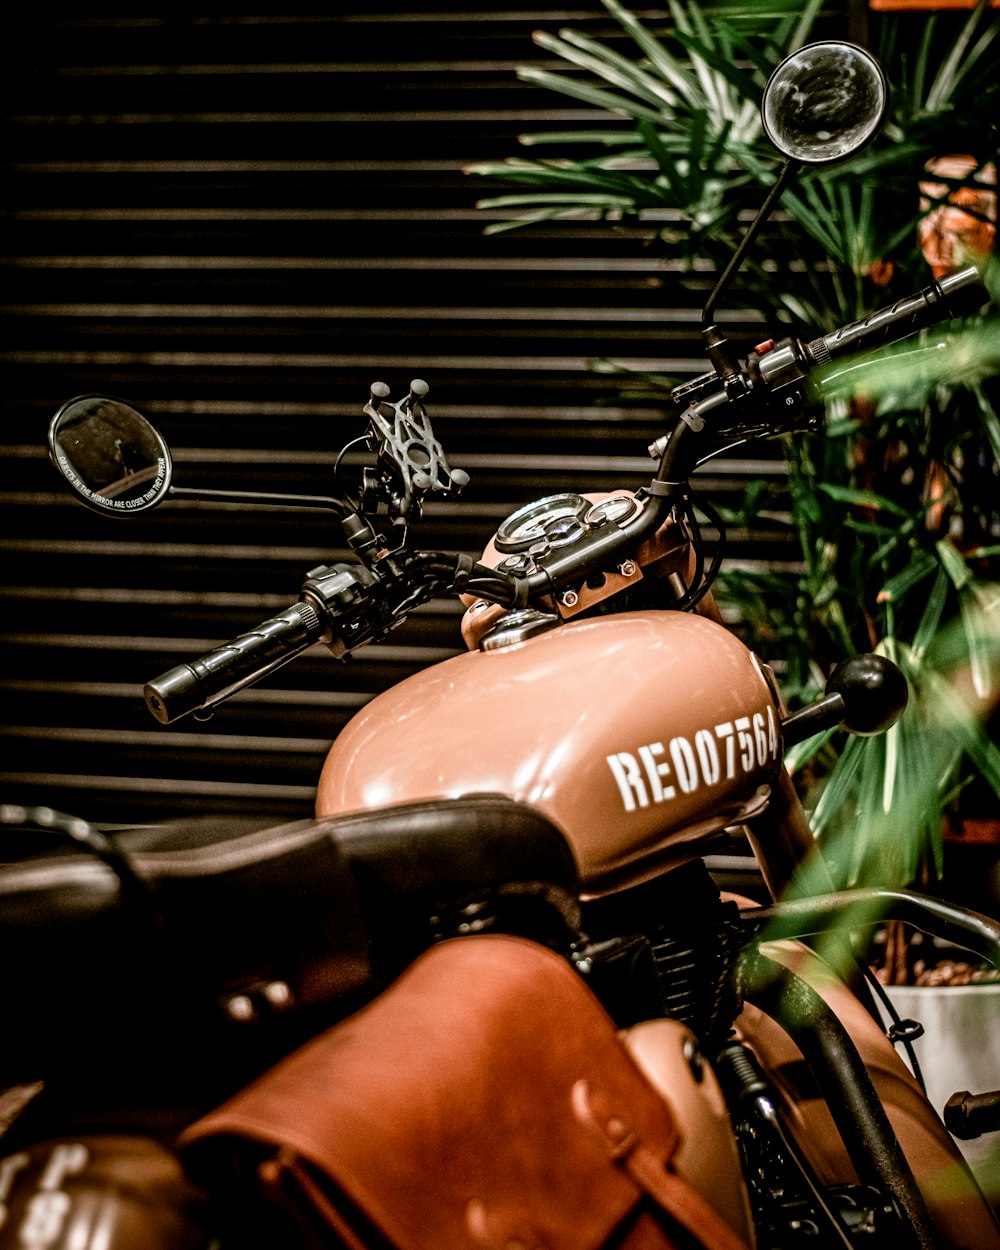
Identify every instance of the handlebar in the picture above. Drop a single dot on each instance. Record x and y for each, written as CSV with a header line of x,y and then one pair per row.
x,y
214,677
340,605
345,606
767,395
961,293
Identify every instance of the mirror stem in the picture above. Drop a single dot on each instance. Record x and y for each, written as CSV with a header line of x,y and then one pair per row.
x,y
359,534
713,338
327,503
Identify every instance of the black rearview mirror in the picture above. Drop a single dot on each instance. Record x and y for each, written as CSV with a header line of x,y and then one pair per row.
x,y
824,103
109,455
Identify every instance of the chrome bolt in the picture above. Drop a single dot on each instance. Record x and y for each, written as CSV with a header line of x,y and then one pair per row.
x,y
239,1007
278,994
569,599
627,568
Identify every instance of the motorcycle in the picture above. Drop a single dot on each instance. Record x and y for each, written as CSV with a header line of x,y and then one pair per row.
x,y
491,995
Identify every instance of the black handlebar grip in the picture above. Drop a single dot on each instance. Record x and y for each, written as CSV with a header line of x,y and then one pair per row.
x,y
215,676
955,295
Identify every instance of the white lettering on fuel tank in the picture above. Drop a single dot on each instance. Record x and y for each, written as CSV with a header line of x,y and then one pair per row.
x,y
9,1169
48,1208
625,770
656,771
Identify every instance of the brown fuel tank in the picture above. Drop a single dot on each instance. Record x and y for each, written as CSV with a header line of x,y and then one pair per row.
x,y
638,735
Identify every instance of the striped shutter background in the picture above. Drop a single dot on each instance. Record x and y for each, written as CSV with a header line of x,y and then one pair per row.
x,y
238,224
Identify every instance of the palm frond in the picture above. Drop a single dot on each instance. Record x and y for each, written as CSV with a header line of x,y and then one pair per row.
x,y
617,70
600,97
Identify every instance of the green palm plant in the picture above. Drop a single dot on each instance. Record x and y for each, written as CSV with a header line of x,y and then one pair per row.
x,y
694,114
915,582
883,566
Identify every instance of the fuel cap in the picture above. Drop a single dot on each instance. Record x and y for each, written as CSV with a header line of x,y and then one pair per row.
x,y
515,627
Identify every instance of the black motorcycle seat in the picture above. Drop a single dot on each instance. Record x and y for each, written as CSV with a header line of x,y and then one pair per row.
x,y
210,927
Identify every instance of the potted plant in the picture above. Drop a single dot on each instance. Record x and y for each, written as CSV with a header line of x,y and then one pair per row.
x,y
895,510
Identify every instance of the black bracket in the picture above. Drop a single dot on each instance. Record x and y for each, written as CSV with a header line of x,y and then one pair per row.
x,y
411,462
905,1031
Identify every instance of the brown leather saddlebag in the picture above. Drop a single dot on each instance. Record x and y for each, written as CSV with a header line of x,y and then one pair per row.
x,y
484,1100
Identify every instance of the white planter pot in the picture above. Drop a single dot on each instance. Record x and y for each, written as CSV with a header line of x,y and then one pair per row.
x,y
960,1050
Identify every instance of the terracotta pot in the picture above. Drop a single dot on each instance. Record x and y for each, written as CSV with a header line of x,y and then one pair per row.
x,y
950,235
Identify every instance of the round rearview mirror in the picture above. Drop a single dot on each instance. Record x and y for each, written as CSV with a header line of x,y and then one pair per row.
x,y
109,455
824,102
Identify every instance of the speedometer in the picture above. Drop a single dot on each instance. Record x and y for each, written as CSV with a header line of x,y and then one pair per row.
x,y
555,521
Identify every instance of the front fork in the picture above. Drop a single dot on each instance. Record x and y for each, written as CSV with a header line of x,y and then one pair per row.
x,y
889,1200
791,1207
792,867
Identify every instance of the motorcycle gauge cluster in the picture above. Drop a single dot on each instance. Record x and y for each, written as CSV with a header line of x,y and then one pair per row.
x,y
533,531
552,522
619,508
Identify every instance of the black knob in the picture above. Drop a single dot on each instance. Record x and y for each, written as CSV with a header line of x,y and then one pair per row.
x,y
874,693
968,1116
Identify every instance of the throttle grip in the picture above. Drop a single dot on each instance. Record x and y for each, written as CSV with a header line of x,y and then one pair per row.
x,y
213,677
955,295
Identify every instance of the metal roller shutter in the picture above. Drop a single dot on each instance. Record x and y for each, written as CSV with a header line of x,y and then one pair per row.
x,y
238,224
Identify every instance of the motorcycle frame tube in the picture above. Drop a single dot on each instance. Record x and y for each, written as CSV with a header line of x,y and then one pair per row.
x,y
857,909
847,1089
783,844
792,864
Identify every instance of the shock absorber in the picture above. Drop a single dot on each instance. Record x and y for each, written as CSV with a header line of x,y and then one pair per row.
x,y
791,1207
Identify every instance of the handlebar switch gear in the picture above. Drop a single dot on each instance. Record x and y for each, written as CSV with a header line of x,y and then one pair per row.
x,y
337,595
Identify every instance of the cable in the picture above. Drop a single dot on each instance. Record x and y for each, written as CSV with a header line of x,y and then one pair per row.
x,y
362,438
701,582
897,1031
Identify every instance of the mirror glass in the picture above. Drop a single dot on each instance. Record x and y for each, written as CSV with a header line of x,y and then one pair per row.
x,y
824,102
110,456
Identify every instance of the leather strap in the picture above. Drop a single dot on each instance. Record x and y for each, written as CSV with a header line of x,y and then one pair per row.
x,y
287,1164
647,1169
